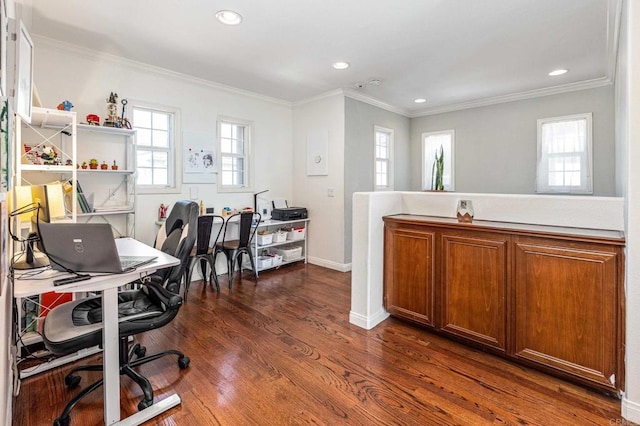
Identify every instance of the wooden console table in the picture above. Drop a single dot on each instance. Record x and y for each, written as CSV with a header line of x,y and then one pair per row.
x,y
548,297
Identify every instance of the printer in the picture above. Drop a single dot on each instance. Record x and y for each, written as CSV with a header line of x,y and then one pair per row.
x,y
289,213
282,211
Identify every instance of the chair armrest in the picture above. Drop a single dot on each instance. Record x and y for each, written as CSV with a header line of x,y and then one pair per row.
x,y
162,295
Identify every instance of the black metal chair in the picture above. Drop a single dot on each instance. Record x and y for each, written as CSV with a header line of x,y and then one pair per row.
x,y
204,251
234,249
76,325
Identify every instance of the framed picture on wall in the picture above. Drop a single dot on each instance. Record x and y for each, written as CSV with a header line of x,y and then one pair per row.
x,y
24,71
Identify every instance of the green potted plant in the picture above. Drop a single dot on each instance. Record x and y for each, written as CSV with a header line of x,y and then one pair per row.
x,y
84,164
104,166
114,166
93,164
437,171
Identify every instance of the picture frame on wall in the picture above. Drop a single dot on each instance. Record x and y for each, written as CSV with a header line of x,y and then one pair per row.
x,y
24,71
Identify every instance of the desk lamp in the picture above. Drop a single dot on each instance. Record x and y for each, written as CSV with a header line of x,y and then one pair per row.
x,y
39,203
255,200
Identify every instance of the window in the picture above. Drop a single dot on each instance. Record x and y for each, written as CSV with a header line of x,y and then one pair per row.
x,y
155,140
234,148
564,155
432,143
383,159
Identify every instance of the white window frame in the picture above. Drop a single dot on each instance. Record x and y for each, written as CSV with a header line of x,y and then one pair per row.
x,y
247,186
174,169
388,159
428,150
586,158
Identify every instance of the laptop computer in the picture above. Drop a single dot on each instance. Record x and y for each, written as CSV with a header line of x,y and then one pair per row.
x,y
86,247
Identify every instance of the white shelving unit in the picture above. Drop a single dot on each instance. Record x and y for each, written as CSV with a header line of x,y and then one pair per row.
x,y
114,192
273,225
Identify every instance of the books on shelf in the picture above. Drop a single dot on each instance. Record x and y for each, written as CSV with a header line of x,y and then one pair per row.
x,y
85,202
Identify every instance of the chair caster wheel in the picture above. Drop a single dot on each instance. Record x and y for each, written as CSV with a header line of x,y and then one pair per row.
x,y
62,421
72,381
183,362
140,351
144,404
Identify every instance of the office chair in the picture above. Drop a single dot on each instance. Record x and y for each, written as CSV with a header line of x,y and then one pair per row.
x,y
77,325
204,251
234,249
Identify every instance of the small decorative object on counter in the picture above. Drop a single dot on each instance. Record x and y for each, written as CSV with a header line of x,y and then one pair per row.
x,y
65,106
202,208
114,166
104,166
93,164
465,211
84,164
162,212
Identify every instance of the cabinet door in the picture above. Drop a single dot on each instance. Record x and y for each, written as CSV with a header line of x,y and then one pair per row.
x,y
566,308
408,274
474,279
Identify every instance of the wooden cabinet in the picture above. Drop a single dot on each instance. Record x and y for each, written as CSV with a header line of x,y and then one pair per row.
x,y
473,285
410,253
566,312
548,297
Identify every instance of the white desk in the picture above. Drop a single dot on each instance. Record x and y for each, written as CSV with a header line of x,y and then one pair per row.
x,y
108,285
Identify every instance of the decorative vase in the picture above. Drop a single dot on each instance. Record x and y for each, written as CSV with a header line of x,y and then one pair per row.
x,y
465,211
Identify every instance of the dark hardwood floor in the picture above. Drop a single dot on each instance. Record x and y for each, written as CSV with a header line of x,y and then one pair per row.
x,y
283,352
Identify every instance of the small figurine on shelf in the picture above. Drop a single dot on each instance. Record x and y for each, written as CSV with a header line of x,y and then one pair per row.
x,y
162,212
114,166
49,156
93,119
112,112
65,106
93,164
68,163
104,166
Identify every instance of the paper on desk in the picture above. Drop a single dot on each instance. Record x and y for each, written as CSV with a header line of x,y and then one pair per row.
x,y
279,203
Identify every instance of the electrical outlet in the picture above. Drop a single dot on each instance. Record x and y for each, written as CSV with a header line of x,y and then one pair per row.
x,y
329,192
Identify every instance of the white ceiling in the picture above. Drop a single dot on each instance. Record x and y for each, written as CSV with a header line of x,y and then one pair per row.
x,y
452,52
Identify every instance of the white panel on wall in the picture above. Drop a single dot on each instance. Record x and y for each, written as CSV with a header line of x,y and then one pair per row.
x,y
318,153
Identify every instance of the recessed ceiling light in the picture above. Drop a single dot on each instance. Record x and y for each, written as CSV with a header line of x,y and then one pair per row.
x,y
229,17
558,72
341,65
420,100
375,82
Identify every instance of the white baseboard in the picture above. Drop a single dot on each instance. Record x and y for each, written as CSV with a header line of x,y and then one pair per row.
x,y
630,410
342,267
367,322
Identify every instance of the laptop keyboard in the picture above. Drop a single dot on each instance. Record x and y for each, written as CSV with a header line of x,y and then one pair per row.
x,y
129,262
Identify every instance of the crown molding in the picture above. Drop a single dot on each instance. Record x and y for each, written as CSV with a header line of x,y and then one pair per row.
x,y
529,94
375,102
329,94
614,17
140,66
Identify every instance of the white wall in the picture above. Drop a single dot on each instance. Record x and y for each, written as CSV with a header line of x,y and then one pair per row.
x,y
326,228
359,173
86,79
495,146
628,104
